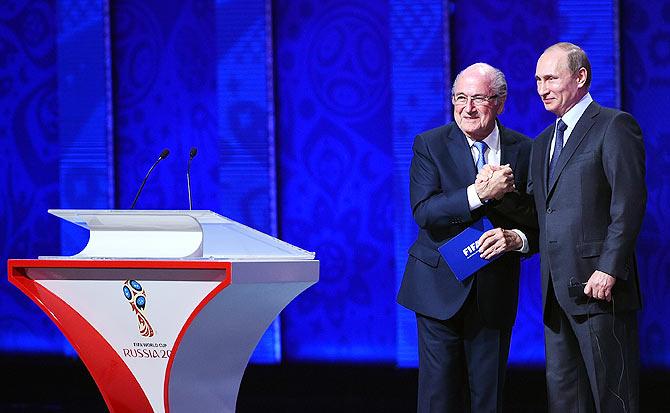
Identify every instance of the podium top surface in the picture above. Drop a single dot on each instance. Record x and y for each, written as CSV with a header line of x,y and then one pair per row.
x,y
130,218
171,234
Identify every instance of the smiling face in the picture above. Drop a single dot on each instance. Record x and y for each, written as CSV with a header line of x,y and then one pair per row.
x,y
476,121
559,88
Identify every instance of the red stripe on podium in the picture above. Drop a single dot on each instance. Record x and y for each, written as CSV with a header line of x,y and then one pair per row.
x,y
114,264
119,387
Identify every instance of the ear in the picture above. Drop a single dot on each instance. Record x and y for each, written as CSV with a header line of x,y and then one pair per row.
x,y
581,77
501,106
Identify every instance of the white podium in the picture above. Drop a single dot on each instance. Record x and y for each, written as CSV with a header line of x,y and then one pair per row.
x,y
165,307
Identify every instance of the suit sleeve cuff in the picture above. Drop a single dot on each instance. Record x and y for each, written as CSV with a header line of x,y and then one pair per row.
x,y
524,246
473,199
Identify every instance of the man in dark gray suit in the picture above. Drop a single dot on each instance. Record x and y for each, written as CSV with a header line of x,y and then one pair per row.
x,y
464,327
587,178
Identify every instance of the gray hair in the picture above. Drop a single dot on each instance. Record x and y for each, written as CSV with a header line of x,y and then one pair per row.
x,y
498,82
577,59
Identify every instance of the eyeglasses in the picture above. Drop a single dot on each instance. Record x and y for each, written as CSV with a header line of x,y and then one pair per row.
x,y
479,100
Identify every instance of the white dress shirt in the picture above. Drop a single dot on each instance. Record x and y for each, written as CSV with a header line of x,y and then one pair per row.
x,y
570,118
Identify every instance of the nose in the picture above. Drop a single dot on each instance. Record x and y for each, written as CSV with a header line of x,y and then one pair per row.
x,y
541,88
470,105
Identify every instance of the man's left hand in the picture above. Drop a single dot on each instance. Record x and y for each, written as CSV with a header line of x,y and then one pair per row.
x,y
599,286
497,241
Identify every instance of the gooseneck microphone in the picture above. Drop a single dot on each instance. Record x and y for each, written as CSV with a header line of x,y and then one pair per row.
x,y
191,155
162,156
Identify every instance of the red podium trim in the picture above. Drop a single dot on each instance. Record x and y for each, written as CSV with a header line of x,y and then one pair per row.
x,y
119,387
150,264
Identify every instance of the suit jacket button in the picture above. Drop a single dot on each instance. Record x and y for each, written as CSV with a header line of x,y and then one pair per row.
x,y
549,210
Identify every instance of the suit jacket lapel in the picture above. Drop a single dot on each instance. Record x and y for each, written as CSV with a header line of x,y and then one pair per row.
x,y
576,137
509,148
546,148
461,155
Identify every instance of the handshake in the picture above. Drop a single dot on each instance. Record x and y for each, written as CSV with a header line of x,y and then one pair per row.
x,y
493,182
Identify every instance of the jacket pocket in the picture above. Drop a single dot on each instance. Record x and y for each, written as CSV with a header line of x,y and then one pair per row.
x,y
426,255
590,249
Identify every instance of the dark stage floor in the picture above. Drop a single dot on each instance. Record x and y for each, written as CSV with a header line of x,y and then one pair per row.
x,y
37,385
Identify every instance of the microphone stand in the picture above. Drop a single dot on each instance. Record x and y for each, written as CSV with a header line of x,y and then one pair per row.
x,y
192,153
162,156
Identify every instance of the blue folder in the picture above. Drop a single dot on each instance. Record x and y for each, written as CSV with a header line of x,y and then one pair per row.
x,y
461,253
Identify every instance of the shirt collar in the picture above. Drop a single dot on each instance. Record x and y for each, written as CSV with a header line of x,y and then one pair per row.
x,y
492,141
571,117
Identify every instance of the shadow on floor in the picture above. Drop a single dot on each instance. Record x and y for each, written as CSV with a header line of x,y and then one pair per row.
x,y
56,384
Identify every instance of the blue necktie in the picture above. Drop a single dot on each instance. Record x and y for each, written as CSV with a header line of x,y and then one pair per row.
x,y
481,161
558,147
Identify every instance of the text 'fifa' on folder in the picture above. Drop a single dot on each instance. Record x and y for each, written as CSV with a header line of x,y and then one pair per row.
x,y
461,253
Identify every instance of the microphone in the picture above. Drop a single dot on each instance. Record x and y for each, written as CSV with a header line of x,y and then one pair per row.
x,y
191,155
162,156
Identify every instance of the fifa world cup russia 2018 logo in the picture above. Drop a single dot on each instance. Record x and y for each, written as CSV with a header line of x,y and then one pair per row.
x,y
137,298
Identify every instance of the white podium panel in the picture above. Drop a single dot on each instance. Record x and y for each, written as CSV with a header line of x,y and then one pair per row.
x,y
171,332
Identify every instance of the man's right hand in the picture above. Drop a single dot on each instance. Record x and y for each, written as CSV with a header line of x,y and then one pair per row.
x,y
493,182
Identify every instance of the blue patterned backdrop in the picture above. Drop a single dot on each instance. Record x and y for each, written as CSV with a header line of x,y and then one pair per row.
x,y
645,41
421,69
303,113
335,175
85,125
29,148
164,67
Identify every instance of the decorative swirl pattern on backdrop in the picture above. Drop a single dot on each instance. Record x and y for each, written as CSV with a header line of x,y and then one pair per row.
x,y
137,51
164,96
347,60
646,86
29,170
421,66
333,67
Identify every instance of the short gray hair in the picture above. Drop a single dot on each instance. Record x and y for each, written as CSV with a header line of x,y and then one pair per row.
x,y
577,59
498,82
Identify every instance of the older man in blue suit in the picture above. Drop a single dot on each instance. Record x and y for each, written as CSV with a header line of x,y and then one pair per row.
x,y
464,327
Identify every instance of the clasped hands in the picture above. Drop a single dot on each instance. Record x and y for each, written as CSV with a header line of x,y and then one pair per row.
x,y
493,182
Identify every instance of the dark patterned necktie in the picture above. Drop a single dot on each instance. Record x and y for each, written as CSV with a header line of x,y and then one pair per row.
x,y
558,147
